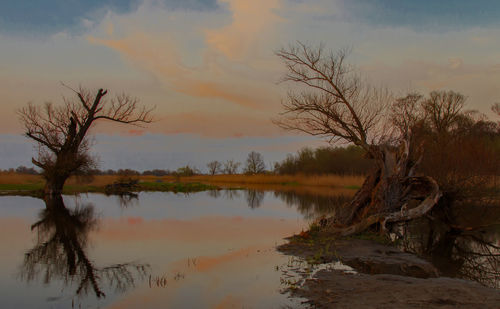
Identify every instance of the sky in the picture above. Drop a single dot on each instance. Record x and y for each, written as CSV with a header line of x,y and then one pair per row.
x,y
209,66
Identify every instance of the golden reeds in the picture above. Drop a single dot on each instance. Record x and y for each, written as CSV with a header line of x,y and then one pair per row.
x,y
253,181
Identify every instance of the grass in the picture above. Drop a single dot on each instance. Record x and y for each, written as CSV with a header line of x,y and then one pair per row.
x,y
13,183
21,187
336,181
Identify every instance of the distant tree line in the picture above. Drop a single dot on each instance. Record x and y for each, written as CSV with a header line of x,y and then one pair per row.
x,y
326,160
253,165
21,170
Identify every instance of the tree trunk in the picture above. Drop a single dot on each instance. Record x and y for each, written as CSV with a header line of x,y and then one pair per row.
x,y
54,185
67,162
391,193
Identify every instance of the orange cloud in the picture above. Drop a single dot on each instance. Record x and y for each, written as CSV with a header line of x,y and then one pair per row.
x,y
213,124
162,57
252,20
135,132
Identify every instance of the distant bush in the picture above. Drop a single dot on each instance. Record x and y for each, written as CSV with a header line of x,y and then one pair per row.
x,y
25,170
186,171
157,172
326,160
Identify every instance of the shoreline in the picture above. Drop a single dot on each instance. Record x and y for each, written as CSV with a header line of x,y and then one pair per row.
x,y
32,185
380,276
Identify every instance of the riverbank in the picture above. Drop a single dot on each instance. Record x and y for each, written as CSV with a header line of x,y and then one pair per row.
x,y
368,272
22,184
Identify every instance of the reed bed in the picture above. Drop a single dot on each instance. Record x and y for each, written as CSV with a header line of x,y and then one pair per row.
x,y
264,182
337,181
19,179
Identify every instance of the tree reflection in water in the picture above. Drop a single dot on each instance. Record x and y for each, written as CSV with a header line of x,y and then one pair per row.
x,y
60,252
254,198
312,206
472,254
128,199
467,253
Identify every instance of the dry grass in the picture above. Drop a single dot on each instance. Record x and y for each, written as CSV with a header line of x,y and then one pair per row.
x,y
264,182
19,179
335,181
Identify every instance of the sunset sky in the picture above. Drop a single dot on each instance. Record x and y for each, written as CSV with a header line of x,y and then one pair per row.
x,y
209,66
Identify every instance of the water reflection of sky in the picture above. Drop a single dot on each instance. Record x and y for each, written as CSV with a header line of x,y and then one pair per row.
x,y
232,243
167,205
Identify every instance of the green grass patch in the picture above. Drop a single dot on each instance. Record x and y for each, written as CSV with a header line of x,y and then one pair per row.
x,y
352,187
21,187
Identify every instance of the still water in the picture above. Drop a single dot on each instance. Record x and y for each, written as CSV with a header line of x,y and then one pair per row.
x,y
159,250
213,249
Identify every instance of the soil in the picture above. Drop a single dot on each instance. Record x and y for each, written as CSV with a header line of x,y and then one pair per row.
x,y
384,277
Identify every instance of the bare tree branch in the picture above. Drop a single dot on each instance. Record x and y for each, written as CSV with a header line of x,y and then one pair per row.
x,y
61,130
336,104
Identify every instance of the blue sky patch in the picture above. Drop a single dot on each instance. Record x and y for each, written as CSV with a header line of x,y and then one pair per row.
x,y
425,14
52,16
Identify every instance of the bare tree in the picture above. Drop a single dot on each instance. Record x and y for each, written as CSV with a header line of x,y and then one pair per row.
x,y
335,103
406,113
231,167
496,109
61,131
255,163
214,167
443,109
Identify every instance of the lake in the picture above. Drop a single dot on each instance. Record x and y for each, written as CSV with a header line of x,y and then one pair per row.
x,y
212,249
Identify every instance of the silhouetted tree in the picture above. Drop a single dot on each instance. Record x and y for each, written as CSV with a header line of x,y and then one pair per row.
x,y
338,105
231,167
254,163
214,167
61,131
186,171
496,109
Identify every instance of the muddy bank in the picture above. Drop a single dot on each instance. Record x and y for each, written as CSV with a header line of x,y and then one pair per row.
x,y
385,277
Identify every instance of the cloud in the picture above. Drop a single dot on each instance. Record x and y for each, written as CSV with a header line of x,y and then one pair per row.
x,y
479,82
217,76
211,71
424,15
251,20
52,16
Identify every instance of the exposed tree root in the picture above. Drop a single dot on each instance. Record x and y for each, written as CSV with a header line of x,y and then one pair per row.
x,y
404,214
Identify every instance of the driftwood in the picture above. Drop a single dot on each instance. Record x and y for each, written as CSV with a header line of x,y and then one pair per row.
x,y
390,194
399,216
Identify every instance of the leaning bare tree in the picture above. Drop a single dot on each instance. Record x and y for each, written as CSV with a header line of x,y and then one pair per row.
x,y
61,131
335,103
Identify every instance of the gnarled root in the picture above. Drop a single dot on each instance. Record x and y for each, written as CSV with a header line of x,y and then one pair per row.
x,y
403,214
